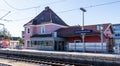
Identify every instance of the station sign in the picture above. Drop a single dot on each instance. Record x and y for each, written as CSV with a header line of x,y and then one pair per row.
x,y
83,31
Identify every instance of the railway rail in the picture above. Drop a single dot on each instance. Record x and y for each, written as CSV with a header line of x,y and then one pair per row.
x,y
63,58
37,60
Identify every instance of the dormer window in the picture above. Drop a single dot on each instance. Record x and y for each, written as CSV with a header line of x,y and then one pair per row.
x,y
43,31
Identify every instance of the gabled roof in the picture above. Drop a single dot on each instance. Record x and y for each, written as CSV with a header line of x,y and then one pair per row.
x,y
70,31
94,27
67,32
47,16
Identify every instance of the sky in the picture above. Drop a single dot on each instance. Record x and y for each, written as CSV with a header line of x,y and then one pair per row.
x,y
22,11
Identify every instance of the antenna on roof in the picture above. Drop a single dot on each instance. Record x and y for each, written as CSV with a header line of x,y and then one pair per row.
x,y
50,17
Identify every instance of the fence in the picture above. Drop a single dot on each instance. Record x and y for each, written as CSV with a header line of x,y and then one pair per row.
x,y
88,47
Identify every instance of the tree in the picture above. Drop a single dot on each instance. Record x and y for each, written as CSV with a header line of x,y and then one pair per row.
x,y
4,32
20,40
7,37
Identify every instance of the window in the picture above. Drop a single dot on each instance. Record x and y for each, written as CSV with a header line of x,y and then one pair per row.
x,y
43,30
42,43
117,34
32,43
49,43
28,43
116,29
35,42
117,42
27,30
99,27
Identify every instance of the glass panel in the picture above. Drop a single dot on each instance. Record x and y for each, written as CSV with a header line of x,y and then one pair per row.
x,y
28,30
42,43
28,43
99,27
43,30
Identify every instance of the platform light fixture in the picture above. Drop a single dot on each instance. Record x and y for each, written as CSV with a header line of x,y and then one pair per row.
x,y
83,34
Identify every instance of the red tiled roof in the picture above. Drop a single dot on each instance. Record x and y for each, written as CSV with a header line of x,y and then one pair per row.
x,y
94,27
66,32
70,31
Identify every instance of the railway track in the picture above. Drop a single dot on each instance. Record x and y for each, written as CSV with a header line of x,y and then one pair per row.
x,y
38,60
54,58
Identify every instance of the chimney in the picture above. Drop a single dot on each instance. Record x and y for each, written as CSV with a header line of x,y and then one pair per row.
x,y
47,8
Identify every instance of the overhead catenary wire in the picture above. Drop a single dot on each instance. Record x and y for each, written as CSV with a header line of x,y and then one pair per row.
x,y
91,6
6,20
16,19
19,9
5,14
34,7
108,3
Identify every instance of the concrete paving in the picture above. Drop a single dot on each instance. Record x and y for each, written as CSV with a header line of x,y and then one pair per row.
x,y
17,63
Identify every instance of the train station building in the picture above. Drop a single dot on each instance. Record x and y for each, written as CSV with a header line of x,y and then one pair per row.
x,y
48,31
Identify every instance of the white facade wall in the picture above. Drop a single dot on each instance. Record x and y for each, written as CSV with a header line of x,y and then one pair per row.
x,y
13,44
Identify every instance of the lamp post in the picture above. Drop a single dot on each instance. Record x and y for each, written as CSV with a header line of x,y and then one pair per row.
x,y
83,34
101,29
83,10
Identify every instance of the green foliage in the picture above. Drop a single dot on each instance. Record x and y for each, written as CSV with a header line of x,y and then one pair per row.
x,y
7,37
20,40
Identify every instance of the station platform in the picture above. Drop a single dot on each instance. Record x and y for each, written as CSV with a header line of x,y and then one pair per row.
x,y
98,57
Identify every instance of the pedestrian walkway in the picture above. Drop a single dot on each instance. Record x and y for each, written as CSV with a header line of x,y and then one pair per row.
x,y
1,64
7,62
